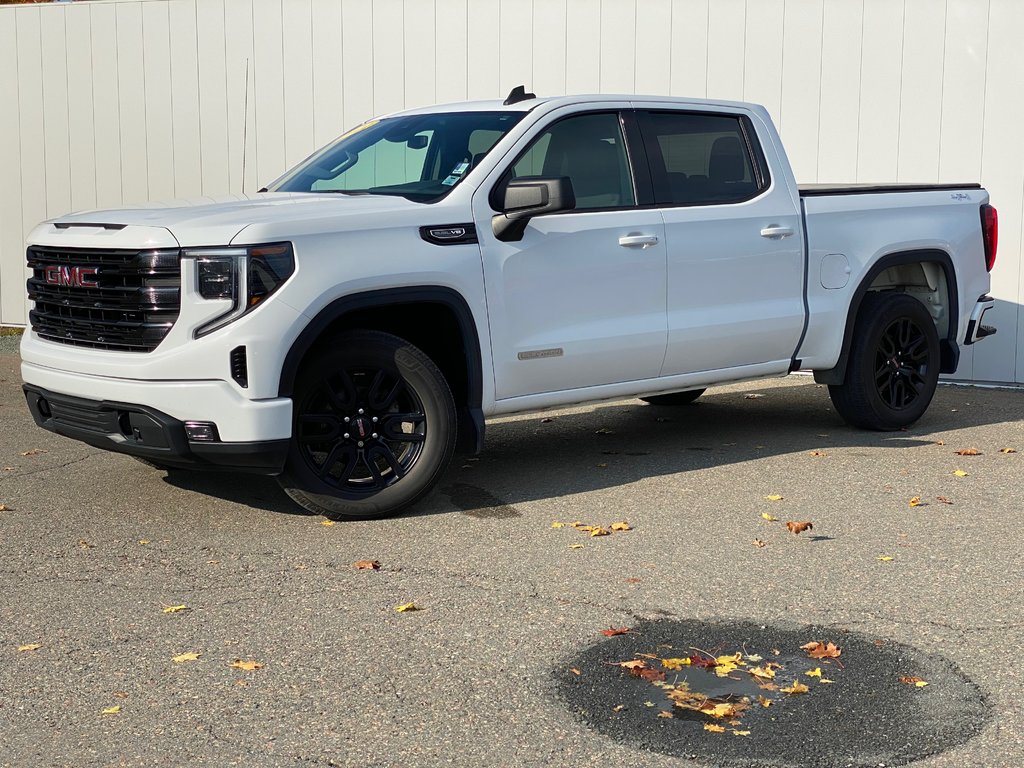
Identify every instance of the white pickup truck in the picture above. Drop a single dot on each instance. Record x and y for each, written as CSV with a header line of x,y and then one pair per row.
x,y
348,326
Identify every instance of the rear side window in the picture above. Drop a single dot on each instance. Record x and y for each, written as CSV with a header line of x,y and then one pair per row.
x,y
699,159
589,149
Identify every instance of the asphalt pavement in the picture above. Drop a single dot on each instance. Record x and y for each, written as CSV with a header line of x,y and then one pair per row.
x,y
99,552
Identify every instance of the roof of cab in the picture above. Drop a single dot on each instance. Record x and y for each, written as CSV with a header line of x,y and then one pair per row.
x,y
552,102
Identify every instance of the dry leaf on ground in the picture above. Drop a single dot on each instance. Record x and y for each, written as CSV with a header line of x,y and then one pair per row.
x,y
943,500
247,666
714,728
328,523
33,452
5,508
366,565
1007,450
577,545
675,664
406,608
620,525
111,710
795,688
773,497
557,524
968,452
769,518
916,502
181,658
795,527
758,543
818,650
29,647
174,608
885,558
959,473
613,631
599,531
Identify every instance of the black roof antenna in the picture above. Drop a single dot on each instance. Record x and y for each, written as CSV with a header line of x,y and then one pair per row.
x,y
518,94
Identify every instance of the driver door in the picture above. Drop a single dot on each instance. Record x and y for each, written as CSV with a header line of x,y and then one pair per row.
x,y
580,300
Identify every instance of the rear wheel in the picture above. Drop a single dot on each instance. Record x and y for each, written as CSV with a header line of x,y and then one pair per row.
x,y
374,427
674,398
894,364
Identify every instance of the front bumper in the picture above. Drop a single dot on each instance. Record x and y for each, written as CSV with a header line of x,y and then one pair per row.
x,y
139,430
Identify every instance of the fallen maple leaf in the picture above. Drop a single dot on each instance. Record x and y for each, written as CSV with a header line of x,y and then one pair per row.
x,y
632,580
618,707
247,666
943,500
33,452
764,672
5,508
613,631
959,473
714,728
819,650
144,542
632,664
758,543
406,608
968,452
818,453
773,497
1007,450
764,701
650,675
366,565
916,502
665,713
111,710
29,647
675,664
599,531
577,545
912,681
328,523
183,657
940,442
740,733
557,524
885,558
795,527
575,671
620,525
769,518
174,608
795,688
816,672
703,662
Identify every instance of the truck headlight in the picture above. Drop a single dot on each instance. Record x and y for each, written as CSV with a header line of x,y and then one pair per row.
x,y
246,276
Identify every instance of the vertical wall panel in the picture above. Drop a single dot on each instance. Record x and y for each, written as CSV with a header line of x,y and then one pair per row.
x,y
31,145
880,90
762,59
388,34
131,104
81,140
268,90
726,47
689,48
451,66
420,40
56,132
1002,166
12,287
515,33
549,31
297,35
582,46
618,46
328,52
654,47
357,62
483,53
963,96
105,107
156,43
921,91
240,84
839,116
185,137
213,97
801,86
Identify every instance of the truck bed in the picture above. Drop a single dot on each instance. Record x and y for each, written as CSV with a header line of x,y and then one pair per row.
x,y
817,190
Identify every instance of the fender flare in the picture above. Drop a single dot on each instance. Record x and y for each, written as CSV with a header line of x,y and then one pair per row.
x,y
949,350
472,422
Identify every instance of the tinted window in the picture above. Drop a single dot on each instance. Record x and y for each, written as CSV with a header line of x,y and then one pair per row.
x,y
698,159
589,150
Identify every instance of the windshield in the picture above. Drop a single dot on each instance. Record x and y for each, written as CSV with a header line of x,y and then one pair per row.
x,y
419,157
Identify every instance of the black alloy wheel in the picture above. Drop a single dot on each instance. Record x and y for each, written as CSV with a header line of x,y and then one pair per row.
x,y
893,367
373,428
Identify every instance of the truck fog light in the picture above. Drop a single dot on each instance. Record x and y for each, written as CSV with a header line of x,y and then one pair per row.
x,y
202,431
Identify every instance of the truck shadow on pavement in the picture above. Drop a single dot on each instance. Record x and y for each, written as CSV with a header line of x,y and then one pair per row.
x,y
554,454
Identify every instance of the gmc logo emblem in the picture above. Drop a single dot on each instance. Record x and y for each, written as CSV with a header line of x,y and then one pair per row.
x,y
76,277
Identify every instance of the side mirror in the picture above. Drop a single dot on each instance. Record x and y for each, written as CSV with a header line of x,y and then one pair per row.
x,y
528,197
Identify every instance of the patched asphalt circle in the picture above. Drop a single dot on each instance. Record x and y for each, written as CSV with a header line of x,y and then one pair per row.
x,y
865,717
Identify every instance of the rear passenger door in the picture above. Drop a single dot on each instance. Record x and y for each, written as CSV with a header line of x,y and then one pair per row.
x,y
735,252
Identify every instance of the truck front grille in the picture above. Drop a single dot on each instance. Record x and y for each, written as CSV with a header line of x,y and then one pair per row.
x,y
123,300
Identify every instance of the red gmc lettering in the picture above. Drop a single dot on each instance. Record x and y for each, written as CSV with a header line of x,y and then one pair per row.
x,y
76,277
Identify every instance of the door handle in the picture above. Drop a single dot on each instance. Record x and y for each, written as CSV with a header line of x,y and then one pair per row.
x,y
638,241
774,231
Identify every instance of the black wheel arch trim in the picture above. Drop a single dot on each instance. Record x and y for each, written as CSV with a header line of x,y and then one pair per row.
x,y
949,350
471,418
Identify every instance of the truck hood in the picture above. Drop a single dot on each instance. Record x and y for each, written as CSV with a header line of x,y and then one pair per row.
x,y
219,220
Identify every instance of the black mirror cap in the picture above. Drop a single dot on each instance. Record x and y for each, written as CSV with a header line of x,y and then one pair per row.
x,y
528,197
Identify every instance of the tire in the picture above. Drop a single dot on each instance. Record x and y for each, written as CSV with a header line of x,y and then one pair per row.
x,y
373,428
893,366
675,398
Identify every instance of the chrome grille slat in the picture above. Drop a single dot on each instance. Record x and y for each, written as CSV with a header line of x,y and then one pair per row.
x,y
132,309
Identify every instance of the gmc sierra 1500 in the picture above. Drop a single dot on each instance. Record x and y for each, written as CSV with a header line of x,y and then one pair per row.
x,y
430,268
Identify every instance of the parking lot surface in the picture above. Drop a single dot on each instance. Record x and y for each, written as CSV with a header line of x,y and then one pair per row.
x,y
99,552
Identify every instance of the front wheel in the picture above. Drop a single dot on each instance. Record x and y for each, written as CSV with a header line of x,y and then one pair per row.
x,y
894,364
373,428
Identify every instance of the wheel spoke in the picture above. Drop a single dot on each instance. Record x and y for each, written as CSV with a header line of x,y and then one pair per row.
x,y
391,427
379,399
388,455
341,391
329,462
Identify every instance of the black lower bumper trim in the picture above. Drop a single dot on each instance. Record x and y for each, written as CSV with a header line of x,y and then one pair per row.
x,y
139,430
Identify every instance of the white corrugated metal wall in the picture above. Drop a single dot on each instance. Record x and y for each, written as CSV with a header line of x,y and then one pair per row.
x,y
104,103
